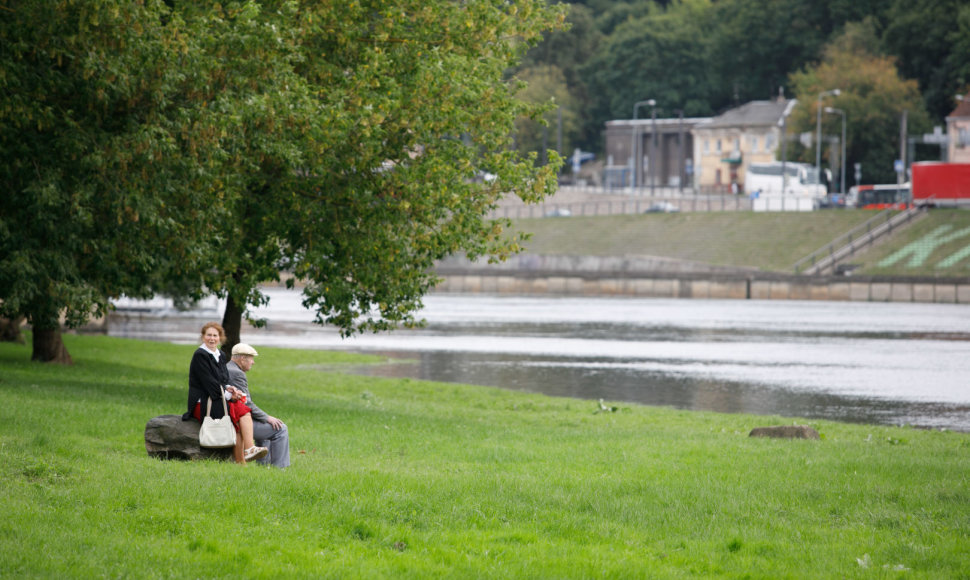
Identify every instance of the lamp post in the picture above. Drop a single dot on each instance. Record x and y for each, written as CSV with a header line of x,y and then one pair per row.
x,y
680,151
633,141
653,148
842,159
783,123
818,131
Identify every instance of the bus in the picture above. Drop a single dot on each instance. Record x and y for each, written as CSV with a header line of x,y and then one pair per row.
x,y
767,179
879,196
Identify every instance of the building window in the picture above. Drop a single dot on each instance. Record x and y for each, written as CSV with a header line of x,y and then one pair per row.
x,y
963,139
718,145
753,144
770,142
707,146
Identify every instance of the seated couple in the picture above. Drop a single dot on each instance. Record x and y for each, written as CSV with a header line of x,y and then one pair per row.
x,y
211,377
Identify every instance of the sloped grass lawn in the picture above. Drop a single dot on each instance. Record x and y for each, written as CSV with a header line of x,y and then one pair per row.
x,y
938,246
401,478
769,241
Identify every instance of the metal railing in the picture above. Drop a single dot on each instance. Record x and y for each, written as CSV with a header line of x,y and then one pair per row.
x,y
613,204
827,257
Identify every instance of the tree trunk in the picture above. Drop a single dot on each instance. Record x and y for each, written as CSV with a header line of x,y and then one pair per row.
x,y
232,324
49,347
10,329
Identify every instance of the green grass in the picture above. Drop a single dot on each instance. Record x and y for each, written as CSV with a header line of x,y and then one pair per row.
x,y
946,225
768,241
401,478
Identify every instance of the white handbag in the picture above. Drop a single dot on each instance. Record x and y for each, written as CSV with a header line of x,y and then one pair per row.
x,y
217,433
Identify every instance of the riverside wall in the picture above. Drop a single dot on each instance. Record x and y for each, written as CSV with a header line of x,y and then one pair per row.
x,y
591,276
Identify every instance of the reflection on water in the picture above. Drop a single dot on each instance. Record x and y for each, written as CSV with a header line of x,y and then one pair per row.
x,y
872,363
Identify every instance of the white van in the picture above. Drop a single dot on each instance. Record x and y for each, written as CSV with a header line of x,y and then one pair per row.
x,y
767,179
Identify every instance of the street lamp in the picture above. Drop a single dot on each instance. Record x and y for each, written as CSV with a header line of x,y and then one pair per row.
x,y
783,123
653,148
680,151
842,159
818,131
633,141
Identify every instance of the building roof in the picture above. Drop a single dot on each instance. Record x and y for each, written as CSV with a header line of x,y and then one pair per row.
x,y
661,122
751,114
963,109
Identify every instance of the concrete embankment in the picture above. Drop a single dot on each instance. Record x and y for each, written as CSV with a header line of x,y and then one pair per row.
x,y
654,277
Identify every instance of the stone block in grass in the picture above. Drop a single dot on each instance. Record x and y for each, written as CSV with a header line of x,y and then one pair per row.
x,y
169,437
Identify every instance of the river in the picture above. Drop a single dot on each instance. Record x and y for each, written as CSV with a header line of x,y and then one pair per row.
x,y
881,363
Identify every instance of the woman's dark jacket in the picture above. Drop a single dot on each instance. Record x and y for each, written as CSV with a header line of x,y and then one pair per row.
x,y
206,379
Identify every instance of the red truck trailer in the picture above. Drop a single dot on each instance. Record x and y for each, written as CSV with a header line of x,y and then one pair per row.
x,y
941,184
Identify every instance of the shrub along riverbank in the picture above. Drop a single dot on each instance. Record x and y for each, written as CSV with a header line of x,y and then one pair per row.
x,y
403,478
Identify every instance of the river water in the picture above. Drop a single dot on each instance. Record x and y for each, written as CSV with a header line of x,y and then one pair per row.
x,y
884,363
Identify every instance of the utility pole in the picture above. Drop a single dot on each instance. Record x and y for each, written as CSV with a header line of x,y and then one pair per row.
x,y
633,141
680,151
902,155
818,132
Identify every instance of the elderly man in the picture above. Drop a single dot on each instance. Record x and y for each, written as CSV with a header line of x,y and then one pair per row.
x,y
268,431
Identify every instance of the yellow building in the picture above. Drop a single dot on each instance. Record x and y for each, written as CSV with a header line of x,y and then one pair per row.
x,y
726,144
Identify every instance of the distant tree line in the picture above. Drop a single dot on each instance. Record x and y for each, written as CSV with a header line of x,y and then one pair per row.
x,y
703,57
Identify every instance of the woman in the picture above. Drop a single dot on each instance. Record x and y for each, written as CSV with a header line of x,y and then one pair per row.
x,y
207,379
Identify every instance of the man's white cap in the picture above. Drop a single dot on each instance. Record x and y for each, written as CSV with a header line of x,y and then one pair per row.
x,y
243,348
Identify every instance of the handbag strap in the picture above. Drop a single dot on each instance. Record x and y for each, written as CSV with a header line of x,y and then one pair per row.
x,y
208,404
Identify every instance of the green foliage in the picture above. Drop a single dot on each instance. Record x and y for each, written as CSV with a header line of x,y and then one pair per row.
x,y
546,84
355,141
957,60
735,51
636,61
409,105
409,479
873,97
756,44
567,51
106,156
199,147
930,40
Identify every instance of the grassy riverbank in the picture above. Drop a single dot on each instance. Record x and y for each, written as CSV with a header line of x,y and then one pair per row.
x,y
768,241
402,478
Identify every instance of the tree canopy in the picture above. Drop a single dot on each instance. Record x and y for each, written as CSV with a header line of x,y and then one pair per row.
x,y
872,95
108,159
407,106
704,57
209,146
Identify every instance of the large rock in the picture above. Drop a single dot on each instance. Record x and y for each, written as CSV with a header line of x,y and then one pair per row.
x,y
169,437
785,432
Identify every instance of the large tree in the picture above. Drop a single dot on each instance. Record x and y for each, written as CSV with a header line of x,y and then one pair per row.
x,y
547,84
364,173
873,96
106,159
661,56
928,37
757,43
567,51
204,147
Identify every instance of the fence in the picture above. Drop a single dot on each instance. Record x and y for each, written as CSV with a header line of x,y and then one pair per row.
x,y
826,258
595,201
